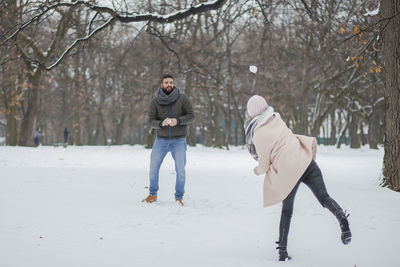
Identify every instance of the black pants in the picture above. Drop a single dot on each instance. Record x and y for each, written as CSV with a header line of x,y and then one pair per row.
x,y
312,177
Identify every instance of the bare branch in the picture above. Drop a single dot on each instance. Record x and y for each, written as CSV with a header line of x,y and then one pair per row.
x,y
27,23
88,36
155,32
115,16
367,28
178,15
308,10
263,11
4,62
92,20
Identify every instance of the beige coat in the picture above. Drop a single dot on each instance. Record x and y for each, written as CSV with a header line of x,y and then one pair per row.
x,y
283,156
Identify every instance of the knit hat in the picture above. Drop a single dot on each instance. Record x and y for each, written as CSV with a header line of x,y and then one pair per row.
x,y
256,105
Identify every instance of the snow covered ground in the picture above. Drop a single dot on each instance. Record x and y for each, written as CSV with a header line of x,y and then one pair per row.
x,y
81,206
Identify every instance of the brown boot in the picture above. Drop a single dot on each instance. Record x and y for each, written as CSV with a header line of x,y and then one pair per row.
x,y
180,202
150,199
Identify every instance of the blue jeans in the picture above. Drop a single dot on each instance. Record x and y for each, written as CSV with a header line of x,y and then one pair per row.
x,y
36,141
177,147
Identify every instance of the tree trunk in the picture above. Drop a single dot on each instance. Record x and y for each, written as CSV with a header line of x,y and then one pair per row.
x,y
77,102
332,140
373,130
8,83
12,130
30,116
217,127
119,131
103,128
391,59
192,127
354,137
342,132
132,121
363,139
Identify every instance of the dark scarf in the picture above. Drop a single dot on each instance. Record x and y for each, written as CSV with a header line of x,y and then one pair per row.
x,y
251,125
163,98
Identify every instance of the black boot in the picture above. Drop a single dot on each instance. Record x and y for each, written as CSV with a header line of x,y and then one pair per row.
x,y
283,254
334,207
284,227
344,226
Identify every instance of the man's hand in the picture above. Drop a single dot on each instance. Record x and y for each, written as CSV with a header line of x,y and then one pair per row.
x,y
166,122
173,122
169,122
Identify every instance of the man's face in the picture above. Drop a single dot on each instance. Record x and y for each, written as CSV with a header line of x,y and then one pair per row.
x,y
167,84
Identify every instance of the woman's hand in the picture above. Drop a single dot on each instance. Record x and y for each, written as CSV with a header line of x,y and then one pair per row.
x,y
256,171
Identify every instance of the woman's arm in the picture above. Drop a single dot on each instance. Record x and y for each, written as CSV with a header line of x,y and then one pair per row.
x,y
263,149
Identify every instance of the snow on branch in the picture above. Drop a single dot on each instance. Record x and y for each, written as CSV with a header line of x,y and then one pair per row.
x,y
178,15
90,34
373,12
114,16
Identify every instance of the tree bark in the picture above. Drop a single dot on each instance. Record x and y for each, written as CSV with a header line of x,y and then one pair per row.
x,y
373,130
12,129
354,136
30,116
119,130
77,104
217,127
332,140
192,127
391,59
132,121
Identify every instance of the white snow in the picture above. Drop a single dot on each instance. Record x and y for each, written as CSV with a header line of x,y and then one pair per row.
x,y
81,206
373,12
253,69
111,4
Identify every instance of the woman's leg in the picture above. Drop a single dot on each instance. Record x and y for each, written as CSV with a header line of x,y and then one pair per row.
x,y
315,182
284,225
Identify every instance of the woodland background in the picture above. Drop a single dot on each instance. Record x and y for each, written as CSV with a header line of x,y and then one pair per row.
x,y
319,66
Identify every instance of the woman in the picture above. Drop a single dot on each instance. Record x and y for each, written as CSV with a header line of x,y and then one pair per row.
x,y
286,160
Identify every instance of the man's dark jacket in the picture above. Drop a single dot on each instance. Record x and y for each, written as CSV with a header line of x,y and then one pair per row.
x,y
173,105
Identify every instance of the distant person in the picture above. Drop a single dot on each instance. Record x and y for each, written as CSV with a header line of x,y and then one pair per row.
x,y
36,136
66,133
169,113
286,160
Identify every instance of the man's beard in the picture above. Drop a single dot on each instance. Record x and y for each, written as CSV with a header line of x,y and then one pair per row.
x,y
168,89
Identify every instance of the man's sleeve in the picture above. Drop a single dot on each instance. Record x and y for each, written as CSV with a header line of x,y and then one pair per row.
x,y
188,115
152,118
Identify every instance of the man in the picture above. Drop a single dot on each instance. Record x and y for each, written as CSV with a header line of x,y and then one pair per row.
x,y
36,136
66,133
169,113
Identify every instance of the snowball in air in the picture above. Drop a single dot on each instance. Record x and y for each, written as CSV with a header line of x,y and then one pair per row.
x,y
253,69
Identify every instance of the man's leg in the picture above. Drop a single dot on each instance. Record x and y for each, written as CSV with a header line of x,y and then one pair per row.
x,y
178,151
158,152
